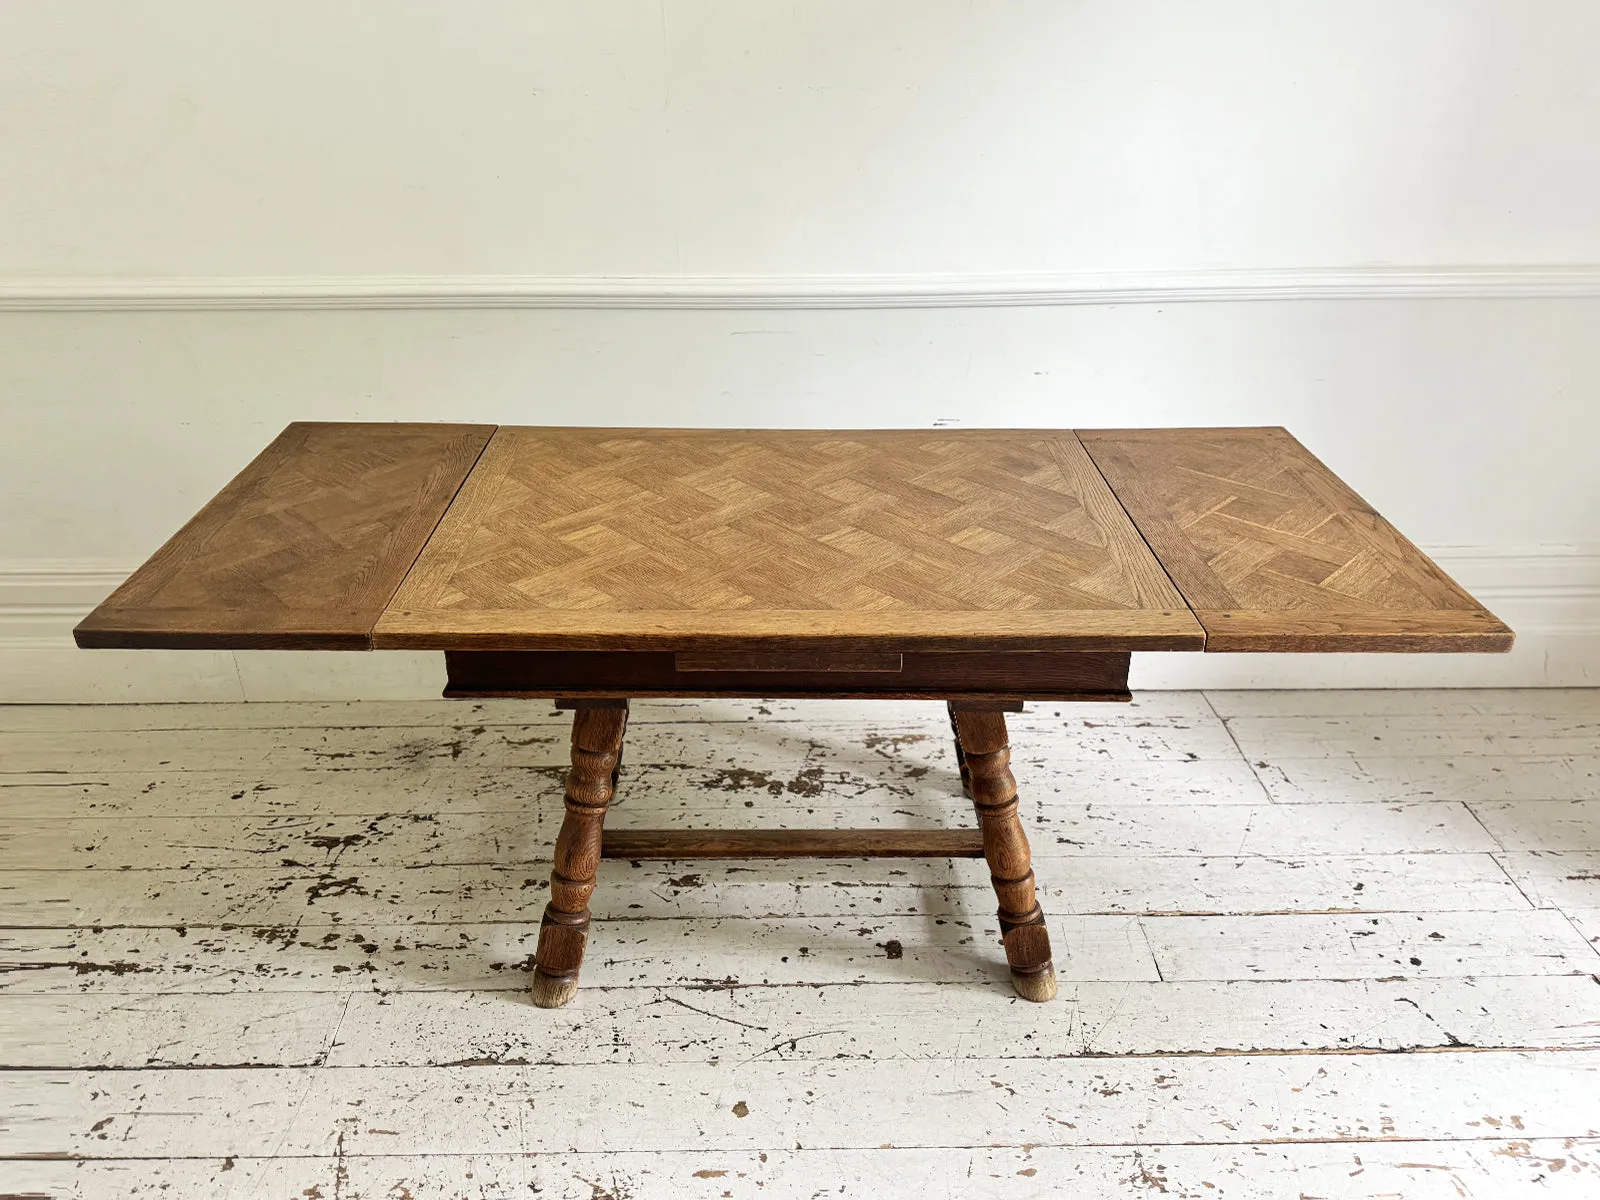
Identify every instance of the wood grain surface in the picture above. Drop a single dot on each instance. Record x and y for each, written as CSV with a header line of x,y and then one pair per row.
x,y
1000,675
695,844
779,539
1273,551
813,551
302,550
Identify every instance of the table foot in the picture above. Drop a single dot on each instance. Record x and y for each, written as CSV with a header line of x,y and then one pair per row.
x,y
986,754
549,991
563,934
1038,988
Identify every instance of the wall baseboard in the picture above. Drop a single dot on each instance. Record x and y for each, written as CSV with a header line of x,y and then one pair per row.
x,y
42,294
1549,594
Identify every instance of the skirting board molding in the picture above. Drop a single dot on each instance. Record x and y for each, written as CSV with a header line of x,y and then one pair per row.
x,y
1531,281
1549,594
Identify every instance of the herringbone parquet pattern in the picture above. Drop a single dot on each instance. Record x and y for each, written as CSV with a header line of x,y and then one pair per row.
x,y
395,536
317,526
1248,522
1274,529
611,521
313,536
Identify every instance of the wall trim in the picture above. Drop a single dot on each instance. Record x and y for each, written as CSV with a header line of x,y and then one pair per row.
x,y
1549,594
68,294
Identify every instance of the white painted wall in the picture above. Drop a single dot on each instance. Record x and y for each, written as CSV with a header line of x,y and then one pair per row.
x,y
318,137
316,196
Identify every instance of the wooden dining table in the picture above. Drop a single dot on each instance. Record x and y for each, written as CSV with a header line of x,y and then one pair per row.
x,y
980,568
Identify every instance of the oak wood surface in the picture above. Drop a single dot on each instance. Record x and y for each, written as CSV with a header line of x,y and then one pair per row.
x,y
689,844
302,549
804,555
984,755
1273,551
782,540
597,733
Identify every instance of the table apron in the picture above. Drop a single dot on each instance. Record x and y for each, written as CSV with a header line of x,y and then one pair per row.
x,y
1002,677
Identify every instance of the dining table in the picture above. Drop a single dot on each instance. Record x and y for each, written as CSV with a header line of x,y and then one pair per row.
x,y
980,568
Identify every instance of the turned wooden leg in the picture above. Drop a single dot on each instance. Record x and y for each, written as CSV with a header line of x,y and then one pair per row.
x,y
987,759
596,750
961,755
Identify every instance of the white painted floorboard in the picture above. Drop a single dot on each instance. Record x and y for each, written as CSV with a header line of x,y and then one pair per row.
x,y
1311,944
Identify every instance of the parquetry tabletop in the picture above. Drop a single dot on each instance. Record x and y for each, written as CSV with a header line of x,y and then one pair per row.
x,y
642,538
469,537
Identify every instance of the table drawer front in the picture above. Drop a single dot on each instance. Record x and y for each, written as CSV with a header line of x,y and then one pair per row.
x,y
865,662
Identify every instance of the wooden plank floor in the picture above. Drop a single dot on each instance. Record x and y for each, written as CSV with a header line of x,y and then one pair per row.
x,y
1311,944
